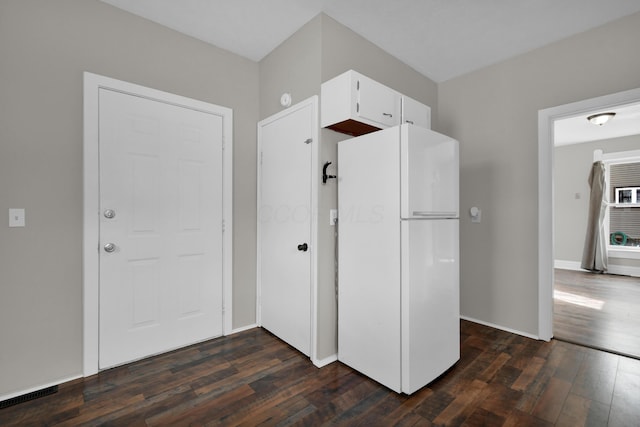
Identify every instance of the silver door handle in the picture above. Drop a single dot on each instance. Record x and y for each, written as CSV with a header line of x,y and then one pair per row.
x,y
435,214
109,247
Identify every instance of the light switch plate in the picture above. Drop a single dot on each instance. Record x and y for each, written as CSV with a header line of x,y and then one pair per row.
x,y
16,218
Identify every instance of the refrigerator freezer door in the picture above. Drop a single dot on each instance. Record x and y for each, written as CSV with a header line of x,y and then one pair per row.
x,y
430,300
429,174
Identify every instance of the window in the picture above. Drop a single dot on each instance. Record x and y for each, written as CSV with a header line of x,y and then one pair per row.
x,y
624,209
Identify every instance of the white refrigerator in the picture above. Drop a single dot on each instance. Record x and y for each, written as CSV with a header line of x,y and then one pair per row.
x,y
398,255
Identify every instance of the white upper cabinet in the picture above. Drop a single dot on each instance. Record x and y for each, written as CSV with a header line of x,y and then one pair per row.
x,y
377,103
415,113
355,104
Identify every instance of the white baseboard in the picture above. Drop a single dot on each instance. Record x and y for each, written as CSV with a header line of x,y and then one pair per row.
x,y
502,328
40,387
567,265
623,270
317,362
324,362
243,328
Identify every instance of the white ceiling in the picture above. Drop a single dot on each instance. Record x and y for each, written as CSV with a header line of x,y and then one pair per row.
x,y
441,39
575,130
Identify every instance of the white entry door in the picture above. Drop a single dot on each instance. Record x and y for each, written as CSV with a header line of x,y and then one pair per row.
x,y
285,246
160,227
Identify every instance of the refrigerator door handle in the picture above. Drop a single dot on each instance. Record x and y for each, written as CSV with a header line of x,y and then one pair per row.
x,y
429,214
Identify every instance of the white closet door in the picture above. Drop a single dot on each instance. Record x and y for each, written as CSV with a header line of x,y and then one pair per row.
x,y
284,222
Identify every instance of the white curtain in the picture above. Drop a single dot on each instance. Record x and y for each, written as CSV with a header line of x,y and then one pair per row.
x,y
594,255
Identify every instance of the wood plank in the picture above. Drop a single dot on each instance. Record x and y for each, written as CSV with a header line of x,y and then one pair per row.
x,y
529,373
575,411
253,378
598,310
465,402
552,400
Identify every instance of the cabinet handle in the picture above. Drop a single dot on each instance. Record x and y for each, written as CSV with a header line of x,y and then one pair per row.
x,y
387,114
409,121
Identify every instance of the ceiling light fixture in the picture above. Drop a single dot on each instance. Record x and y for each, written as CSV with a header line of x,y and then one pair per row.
x,y
600,118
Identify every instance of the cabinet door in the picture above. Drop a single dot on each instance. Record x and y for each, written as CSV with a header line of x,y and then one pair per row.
x,y
377,103
415,113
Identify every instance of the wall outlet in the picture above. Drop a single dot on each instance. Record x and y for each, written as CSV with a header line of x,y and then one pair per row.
x,y
16,218
333,216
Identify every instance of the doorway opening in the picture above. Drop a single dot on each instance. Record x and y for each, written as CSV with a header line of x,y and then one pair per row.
x,y
576,305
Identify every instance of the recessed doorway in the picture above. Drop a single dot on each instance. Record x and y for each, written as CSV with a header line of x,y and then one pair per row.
x,y
576,305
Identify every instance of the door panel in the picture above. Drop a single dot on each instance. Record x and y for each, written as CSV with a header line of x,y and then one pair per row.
x,y
430,300
161,172
285,223
429,173
369,257
415,113
378,103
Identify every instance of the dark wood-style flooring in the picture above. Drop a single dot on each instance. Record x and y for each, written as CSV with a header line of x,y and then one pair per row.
x,y
252,378
598,310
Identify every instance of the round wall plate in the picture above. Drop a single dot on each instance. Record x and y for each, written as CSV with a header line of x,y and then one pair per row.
x,y
285,100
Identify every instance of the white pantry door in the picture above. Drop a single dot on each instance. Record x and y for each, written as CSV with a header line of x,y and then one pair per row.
x,y
284,224
160,227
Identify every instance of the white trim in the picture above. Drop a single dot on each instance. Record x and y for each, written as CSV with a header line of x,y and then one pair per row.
x,y
243,328
630,156
320,363
629,252
315,155
502,328
568,265
91,202
623,270
315,194
38,388
546,119
545,226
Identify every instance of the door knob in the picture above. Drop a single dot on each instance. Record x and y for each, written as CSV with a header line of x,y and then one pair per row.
x,y
303,247
109,213
109,247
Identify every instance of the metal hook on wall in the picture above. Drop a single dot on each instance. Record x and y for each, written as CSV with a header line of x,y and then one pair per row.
x,y
325,177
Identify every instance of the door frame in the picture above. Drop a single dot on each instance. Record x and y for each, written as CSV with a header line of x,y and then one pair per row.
x,y
91,202
315,153
546,256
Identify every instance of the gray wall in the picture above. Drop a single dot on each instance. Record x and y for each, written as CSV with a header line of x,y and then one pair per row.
x,y
293,67
494,114
44,48
571,171
319,51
